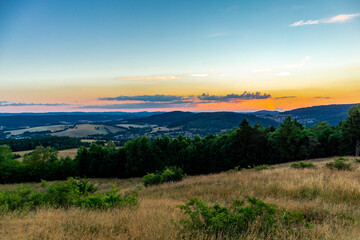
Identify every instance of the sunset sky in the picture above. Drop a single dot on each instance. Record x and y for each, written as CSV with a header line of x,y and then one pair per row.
x,y
162,55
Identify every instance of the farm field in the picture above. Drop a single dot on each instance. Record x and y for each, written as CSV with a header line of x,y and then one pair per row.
x,y
51,128
329,199
85,130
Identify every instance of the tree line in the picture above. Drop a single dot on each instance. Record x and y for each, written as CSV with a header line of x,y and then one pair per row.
x,y
243,146
59,143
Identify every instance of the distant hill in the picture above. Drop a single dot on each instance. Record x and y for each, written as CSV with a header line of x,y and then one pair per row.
x,y
163,119
217,121
210,122
265,112
21,120
332,114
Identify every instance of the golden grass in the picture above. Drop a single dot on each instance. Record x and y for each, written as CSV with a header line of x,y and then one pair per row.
x,y
330,199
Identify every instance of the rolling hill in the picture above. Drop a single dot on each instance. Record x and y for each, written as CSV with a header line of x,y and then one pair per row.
x,y
332,114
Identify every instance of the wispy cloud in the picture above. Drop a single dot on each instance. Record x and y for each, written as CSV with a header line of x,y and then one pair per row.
x,y
322,97
173,101
234,97
285,97
162,77
143,105
341,18
198,75
302,23
145,98
20,104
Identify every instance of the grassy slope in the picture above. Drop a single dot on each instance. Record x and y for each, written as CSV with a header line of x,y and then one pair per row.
x,y
329,198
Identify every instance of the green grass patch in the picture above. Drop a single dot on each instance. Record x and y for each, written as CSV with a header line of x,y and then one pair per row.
x,y
303,164
72,193
235,221
338,164
261,167
169,174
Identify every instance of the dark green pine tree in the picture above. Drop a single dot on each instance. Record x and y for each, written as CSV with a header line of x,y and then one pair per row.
x,y
351,131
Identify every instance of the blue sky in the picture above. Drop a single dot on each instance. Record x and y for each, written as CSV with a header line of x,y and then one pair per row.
x,y
216,47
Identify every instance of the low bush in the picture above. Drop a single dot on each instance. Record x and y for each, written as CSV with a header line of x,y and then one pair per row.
x,y
338,164
239,218
303,164
73,192
233,170
357,160
169,174
261,167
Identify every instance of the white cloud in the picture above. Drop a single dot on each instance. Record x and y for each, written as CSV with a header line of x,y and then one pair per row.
x,y
162,77
282,74
341,18
199,75
301,23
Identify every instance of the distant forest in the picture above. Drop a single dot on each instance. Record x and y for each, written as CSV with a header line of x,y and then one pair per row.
x,y
243,146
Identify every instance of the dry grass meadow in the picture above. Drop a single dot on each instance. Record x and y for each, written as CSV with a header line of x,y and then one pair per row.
x,y
330,199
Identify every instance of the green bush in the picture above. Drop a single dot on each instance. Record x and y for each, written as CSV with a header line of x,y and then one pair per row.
x,y
235,169
169,174
357,160
261,167
303,164
339,165
73,192
237,219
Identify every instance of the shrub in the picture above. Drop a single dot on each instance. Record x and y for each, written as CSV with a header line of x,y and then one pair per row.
x,y
339,165
357,160
261,167
235,169
169,174
303,164
73,192
237,219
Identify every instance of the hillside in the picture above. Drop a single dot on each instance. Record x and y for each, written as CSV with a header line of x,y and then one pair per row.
x,y
328,199
217,121
332,114
163,119
22,120
208,122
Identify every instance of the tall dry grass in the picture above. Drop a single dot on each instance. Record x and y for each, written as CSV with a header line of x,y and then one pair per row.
x,y
329,199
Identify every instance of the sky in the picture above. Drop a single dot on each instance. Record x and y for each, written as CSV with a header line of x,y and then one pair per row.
x,y
161,55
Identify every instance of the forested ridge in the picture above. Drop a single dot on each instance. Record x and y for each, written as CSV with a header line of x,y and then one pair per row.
x,y
243,146
59,143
